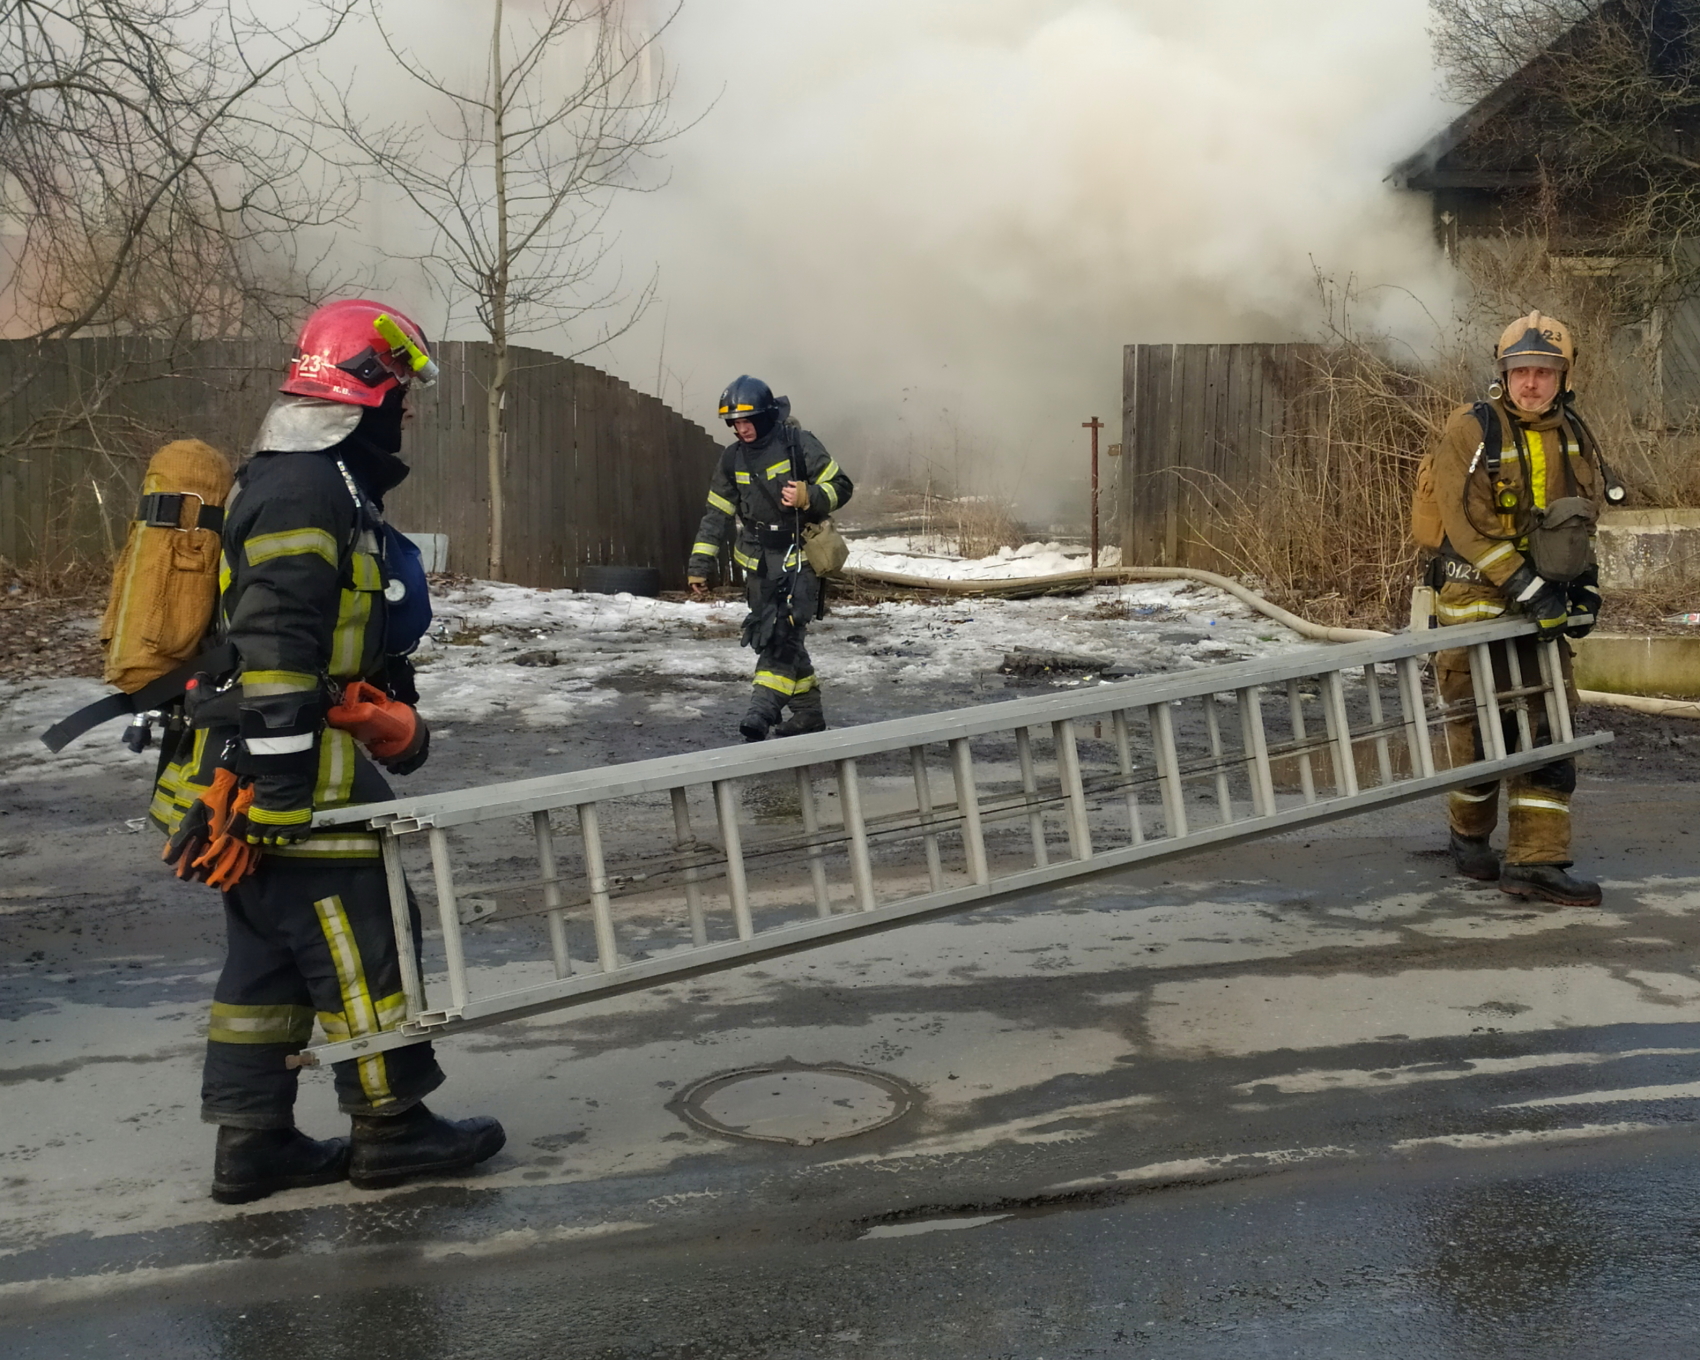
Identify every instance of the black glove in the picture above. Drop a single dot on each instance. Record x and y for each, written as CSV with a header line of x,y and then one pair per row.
x,y
418,750
282,810
1584,593
1546,602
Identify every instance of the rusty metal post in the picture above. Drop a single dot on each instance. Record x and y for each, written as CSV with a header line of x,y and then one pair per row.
x,y
1094,425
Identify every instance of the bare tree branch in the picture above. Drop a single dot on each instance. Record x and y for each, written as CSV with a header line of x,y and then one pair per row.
x,y
516,184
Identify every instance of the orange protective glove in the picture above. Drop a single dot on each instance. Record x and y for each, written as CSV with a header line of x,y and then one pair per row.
x,y
392,732
210,845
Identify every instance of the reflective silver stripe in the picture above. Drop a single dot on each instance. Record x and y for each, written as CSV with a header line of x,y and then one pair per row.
x,y
1531,801
1498,554
279,746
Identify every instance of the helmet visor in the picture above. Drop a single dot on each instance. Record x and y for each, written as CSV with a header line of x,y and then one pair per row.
x,y
1507,362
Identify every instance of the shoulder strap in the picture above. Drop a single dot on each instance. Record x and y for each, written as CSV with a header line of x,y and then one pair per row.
x,y
1492,437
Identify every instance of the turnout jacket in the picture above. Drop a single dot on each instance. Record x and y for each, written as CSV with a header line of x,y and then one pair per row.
x,y
1542,459
302,603
747,484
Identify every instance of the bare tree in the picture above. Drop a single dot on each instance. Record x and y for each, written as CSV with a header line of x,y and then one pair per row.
x,y
1599,106
150,182
516,182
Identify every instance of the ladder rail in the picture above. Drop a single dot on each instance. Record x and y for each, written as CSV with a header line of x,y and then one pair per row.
x,y
525,796
1094,779
809,933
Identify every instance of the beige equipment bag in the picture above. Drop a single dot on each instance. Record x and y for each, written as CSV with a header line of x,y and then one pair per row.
x,y
825,548
165,587
1426,528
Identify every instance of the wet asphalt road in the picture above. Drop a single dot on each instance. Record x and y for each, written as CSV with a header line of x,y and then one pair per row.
x,y
1313,1097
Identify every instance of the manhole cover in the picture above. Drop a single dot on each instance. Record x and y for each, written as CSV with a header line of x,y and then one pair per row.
x,y
796,1103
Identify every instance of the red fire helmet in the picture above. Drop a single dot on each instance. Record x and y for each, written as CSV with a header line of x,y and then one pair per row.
x,y
355,351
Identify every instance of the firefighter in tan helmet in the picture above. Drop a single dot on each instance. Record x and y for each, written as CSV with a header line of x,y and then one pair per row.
x,y
1518,482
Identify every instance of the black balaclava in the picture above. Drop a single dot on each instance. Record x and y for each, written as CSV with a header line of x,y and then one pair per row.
x,y
371,448
764,421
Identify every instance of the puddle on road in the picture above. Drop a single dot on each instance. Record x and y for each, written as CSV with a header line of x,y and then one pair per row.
x,y
929,1225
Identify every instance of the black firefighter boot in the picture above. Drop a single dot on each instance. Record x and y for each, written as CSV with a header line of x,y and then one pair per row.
x,y
253,1163
1474,857
765,707
390,1148
807,715
1550,883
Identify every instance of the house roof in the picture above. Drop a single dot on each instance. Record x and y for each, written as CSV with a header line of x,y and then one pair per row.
x,y
1438,164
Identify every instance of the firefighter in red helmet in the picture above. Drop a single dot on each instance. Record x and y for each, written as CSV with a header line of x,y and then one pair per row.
x,y
317,593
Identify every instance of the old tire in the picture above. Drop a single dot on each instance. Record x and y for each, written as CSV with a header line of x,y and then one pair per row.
x,y
615,580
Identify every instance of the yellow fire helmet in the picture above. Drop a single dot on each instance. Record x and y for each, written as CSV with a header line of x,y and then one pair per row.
x,y
1535,341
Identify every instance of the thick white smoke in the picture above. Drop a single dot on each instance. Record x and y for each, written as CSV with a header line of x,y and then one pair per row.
x,y
935,222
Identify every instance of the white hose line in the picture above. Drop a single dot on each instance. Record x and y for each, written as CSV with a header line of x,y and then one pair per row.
x,y
1034,584
1637,703
1642,703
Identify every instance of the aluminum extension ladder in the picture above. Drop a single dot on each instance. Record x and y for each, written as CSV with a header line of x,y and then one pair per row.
x,y
630,876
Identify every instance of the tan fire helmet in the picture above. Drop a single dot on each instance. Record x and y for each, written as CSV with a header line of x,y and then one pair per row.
x,y
1535,341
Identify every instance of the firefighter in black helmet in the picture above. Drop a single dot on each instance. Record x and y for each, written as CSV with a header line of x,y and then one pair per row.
x,y
774,477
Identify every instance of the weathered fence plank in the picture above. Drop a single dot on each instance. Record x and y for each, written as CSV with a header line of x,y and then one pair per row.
x,y
597,473
1200,424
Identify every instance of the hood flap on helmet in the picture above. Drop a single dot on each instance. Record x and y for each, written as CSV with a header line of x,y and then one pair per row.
x,y
305,425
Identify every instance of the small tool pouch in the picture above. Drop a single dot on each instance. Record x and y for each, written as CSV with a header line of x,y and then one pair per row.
x,y
1561,545
825,548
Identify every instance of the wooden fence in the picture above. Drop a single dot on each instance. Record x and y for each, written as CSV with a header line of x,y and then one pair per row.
x,y
596,473
1199,423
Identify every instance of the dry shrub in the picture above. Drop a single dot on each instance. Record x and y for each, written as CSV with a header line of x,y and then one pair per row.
x,y
984,524
1325,531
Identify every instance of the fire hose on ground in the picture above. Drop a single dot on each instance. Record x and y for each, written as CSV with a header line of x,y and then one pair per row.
x,y
1026,587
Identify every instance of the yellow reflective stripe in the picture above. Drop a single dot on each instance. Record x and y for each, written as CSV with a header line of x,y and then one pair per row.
x,y
329,847
335,784
704,550
365,572
223,572
778,683
258,683
791,558
743,478
291,543
1463,797
721,504
1536,803
232,1024
270,817
348,642
774,469
827,473
804,685
1471,611
1497,554
1537,467
358,1013
745,561
831,494
392,1010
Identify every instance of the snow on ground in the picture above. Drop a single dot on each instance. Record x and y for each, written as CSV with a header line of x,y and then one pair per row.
x,y
908,555
541,659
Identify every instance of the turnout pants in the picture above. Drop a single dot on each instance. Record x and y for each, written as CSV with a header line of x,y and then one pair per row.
x,y
308,939
1538,812
782,604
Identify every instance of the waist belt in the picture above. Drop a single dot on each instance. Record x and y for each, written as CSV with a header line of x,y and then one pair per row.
x,y
775,535
170,686
164,510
